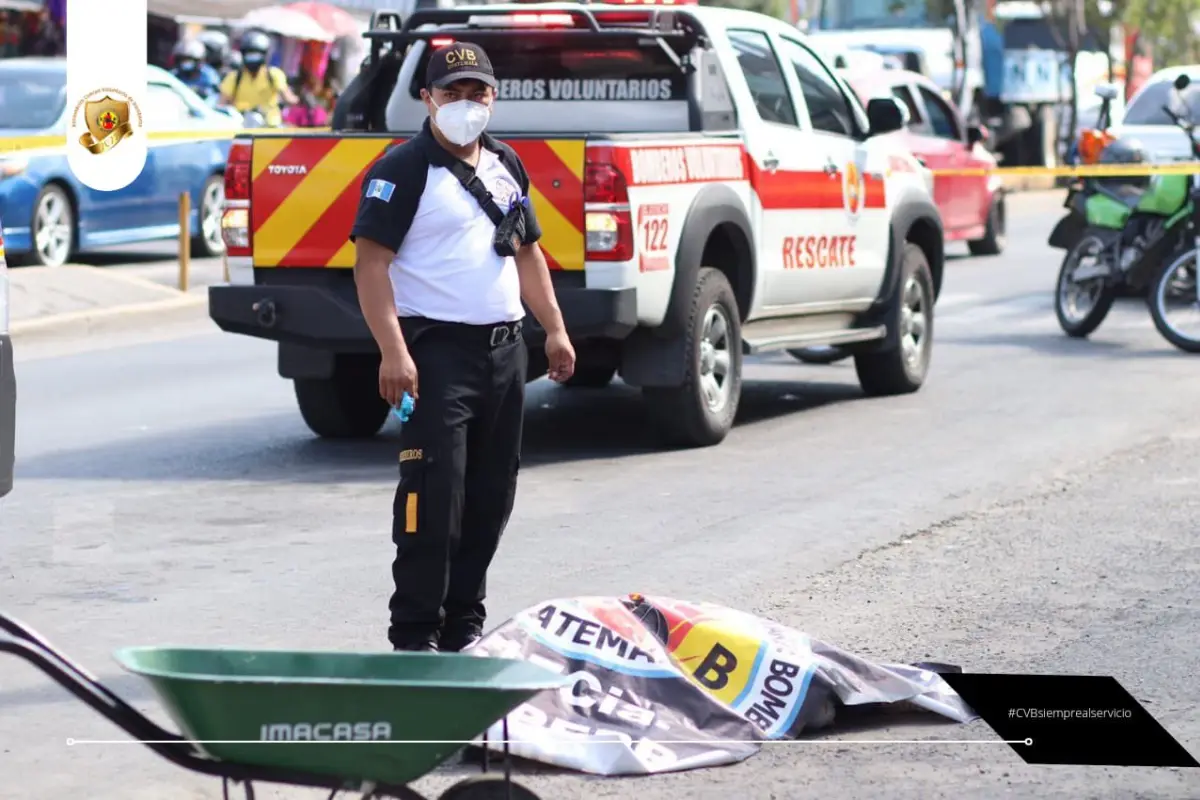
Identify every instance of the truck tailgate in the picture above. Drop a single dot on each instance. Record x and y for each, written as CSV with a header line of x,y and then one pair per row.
x,y
304,193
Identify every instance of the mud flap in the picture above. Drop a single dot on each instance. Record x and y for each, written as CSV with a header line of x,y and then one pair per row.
x,y
1067,232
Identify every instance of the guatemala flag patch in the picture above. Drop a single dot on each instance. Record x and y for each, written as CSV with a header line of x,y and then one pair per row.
x,y
381,189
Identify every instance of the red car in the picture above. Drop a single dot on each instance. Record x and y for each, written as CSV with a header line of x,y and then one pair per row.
x,y
972,206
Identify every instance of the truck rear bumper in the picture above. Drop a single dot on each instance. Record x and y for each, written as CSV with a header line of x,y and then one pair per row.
x,y
318,318
8,414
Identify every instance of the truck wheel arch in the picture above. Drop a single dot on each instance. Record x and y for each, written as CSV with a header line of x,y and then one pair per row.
x,y
716,233
916,221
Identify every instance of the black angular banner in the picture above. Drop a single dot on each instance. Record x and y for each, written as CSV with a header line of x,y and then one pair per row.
x,y
1070,719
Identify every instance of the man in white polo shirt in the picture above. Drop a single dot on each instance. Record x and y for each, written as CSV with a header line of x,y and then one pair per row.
x,y
446,250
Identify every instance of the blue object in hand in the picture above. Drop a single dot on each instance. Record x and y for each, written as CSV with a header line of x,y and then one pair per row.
x,y
405,409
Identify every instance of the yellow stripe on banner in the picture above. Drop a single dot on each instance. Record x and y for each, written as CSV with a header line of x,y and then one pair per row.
x,y
570,153
265,151
560,238
304,207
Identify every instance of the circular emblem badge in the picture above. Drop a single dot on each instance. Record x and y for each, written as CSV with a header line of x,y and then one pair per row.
x,y
854,189
109,116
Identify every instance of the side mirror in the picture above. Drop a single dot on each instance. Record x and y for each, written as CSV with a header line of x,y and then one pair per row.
x,y
1106,91
976,134
1182,82
885,115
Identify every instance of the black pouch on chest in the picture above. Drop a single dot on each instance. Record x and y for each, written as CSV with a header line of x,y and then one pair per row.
x,y
510,225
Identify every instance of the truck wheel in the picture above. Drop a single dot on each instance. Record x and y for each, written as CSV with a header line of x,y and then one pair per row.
x,y
700,412
902,369
340,407
591,377
992,243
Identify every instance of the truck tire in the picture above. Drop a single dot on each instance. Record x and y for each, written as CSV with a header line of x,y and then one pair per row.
x,y
992,243
902,369
591,376
700,412
341,407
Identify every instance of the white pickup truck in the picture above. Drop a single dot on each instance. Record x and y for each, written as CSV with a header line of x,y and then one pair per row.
x,y
707,187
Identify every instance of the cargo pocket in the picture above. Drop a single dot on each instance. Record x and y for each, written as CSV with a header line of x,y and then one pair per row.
x,y
409,506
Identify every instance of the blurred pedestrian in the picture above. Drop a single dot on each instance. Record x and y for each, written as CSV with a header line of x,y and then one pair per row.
x,y
191,68
257,86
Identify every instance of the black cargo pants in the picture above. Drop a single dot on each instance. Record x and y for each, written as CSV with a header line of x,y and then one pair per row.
x,y
459,457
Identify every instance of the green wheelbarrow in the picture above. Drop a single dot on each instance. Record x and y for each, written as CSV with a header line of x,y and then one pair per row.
x,y
345,722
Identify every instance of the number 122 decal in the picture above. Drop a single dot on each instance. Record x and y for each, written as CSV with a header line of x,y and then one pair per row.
x,y
653,237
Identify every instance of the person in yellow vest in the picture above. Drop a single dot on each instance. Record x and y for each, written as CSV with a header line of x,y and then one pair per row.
x,y
255,85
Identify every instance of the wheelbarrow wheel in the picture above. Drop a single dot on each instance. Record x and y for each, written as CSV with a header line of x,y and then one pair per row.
x,y
487,787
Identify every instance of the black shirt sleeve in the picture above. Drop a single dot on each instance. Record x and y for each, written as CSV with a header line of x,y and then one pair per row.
x,y
512,162
391,192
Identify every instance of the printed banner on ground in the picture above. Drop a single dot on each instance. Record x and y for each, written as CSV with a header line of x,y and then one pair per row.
x,y
664,685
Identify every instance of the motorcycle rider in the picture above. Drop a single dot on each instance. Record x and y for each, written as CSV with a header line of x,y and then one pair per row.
x,y
191,68
256,85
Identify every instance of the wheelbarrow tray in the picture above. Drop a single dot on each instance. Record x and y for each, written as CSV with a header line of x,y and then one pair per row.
x,y
386,718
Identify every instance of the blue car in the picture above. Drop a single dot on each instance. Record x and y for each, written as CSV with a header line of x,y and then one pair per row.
x,y
49,216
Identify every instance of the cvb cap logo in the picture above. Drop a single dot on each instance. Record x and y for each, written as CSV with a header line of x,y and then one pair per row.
x,y
461,58
854,189
108,117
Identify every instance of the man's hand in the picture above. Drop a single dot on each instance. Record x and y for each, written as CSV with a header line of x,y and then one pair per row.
x,y
398,374
561,356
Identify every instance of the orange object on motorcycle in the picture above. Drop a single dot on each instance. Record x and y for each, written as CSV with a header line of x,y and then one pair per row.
x,y
1092,144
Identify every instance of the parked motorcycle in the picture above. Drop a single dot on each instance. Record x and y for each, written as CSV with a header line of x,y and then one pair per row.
x,y
1131,233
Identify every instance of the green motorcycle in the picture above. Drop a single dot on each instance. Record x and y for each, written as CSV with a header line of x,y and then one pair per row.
x,y
1139,232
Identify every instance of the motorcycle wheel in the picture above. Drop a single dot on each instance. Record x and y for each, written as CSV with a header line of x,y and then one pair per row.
x,y
1175,288
1082,305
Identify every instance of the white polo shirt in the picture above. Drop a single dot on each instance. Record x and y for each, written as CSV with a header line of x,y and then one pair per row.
x,y
445,267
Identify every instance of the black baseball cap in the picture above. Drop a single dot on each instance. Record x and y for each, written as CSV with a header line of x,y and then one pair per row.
x,y
461,61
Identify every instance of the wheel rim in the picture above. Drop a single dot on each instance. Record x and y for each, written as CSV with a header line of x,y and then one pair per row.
x,y
210,216
1077,299
52,229
716,359
914,324
1175,296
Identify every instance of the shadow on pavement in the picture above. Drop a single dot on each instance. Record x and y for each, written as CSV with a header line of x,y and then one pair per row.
x,y
1058,344
561,426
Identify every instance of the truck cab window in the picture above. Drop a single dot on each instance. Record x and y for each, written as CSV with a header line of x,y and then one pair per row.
x,y
764,76
828,109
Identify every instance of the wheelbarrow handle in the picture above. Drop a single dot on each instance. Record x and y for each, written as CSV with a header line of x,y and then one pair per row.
x,y
22,641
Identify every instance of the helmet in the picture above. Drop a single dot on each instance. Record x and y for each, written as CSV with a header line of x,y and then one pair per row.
x,y
255,42
191,49
1123,151
216,45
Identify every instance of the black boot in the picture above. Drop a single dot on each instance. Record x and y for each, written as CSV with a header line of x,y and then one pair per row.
x,y
429,645
455,640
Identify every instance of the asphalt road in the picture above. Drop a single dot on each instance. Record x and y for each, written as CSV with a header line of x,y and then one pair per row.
x,y
1033,509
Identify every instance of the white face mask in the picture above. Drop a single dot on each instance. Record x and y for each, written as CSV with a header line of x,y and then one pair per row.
x,y
462,121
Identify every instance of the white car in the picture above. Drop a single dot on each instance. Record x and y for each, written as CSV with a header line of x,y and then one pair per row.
x,y
1147,122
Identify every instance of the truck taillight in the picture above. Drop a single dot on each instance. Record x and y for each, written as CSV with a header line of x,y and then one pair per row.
x,y
235,220
237,171
608,224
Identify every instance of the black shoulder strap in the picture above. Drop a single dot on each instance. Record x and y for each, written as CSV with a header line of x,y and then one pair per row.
x,y
236,83
470,181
